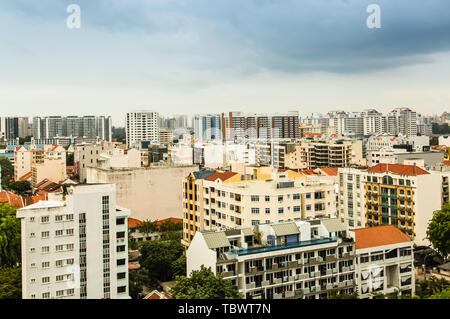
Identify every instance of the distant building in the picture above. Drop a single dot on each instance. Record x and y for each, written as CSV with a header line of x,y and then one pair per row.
x,y
141,126
92,127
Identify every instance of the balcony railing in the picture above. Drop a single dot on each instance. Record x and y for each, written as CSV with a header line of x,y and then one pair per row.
x,y
258,250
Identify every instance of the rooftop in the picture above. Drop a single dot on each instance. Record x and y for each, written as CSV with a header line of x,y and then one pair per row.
x,y
398,169
379,236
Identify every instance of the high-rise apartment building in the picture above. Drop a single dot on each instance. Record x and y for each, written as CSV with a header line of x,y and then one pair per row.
x,y
142,126
351,206
238,125
404,196
73,126
75,247
208,127
16,127
215,200
402,121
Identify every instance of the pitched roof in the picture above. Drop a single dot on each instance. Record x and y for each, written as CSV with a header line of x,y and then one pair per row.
x,y
379,236
26,177
333,225
216,240
133,222
202,174
285,229
155,294
400,169
223,176
330,171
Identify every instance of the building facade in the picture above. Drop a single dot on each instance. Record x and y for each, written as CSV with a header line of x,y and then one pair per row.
x,y
76,247
290,260
141,126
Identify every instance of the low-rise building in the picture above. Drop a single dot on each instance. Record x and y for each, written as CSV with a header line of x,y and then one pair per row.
x,y
298,260
384,261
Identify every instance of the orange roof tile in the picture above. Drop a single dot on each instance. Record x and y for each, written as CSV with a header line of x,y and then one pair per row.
x,y
447,163
378,236
398,169
133,222
26,177
223,176
330,171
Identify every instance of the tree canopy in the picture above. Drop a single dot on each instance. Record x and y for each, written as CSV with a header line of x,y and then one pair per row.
x,y
21,187
10,283
9,237
7,171
438,231
203,284
159,258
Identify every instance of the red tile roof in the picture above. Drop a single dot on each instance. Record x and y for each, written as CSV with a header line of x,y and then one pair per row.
x,y
330,171
133,222
13,199
398,169
447,163
308,172
223,176
378,236
26,177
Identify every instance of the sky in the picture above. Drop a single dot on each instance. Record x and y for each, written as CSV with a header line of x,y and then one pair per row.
x,y
212,56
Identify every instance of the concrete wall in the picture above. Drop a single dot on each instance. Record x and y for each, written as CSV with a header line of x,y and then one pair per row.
x,y
150,193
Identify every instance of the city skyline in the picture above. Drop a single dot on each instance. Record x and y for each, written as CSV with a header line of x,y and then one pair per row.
x,y
254,57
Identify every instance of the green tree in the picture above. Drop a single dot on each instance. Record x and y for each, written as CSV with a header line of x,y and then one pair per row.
x,y
10,283
427,288
137,280
334,294
9,236
170,226
69,159
438,232
147,227
158,258
179,266
203,284
21,187
444,294
7,170
26,139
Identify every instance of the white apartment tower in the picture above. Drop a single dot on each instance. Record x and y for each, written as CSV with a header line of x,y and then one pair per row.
x,y
142,126
75,247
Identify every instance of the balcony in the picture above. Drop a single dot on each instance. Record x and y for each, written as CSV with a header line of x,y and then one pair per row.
x,y
267,248
226,274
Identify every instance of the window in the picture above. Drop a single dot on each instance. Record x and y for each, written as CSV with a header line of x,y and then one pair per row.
x,y
45,280
59,263
255,222
280,198
45,219
31,219
45,264
296,196
308,195
255,210
280,210
58,218
45,249
45,234
267,198
69,232
255,198
296,209
59,232
45,295
267,210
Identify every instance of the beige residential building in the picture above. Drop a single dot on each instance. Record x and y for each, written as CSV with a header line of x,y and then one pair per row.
x,y
330,153
48,161
224,200
87,155
165,136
